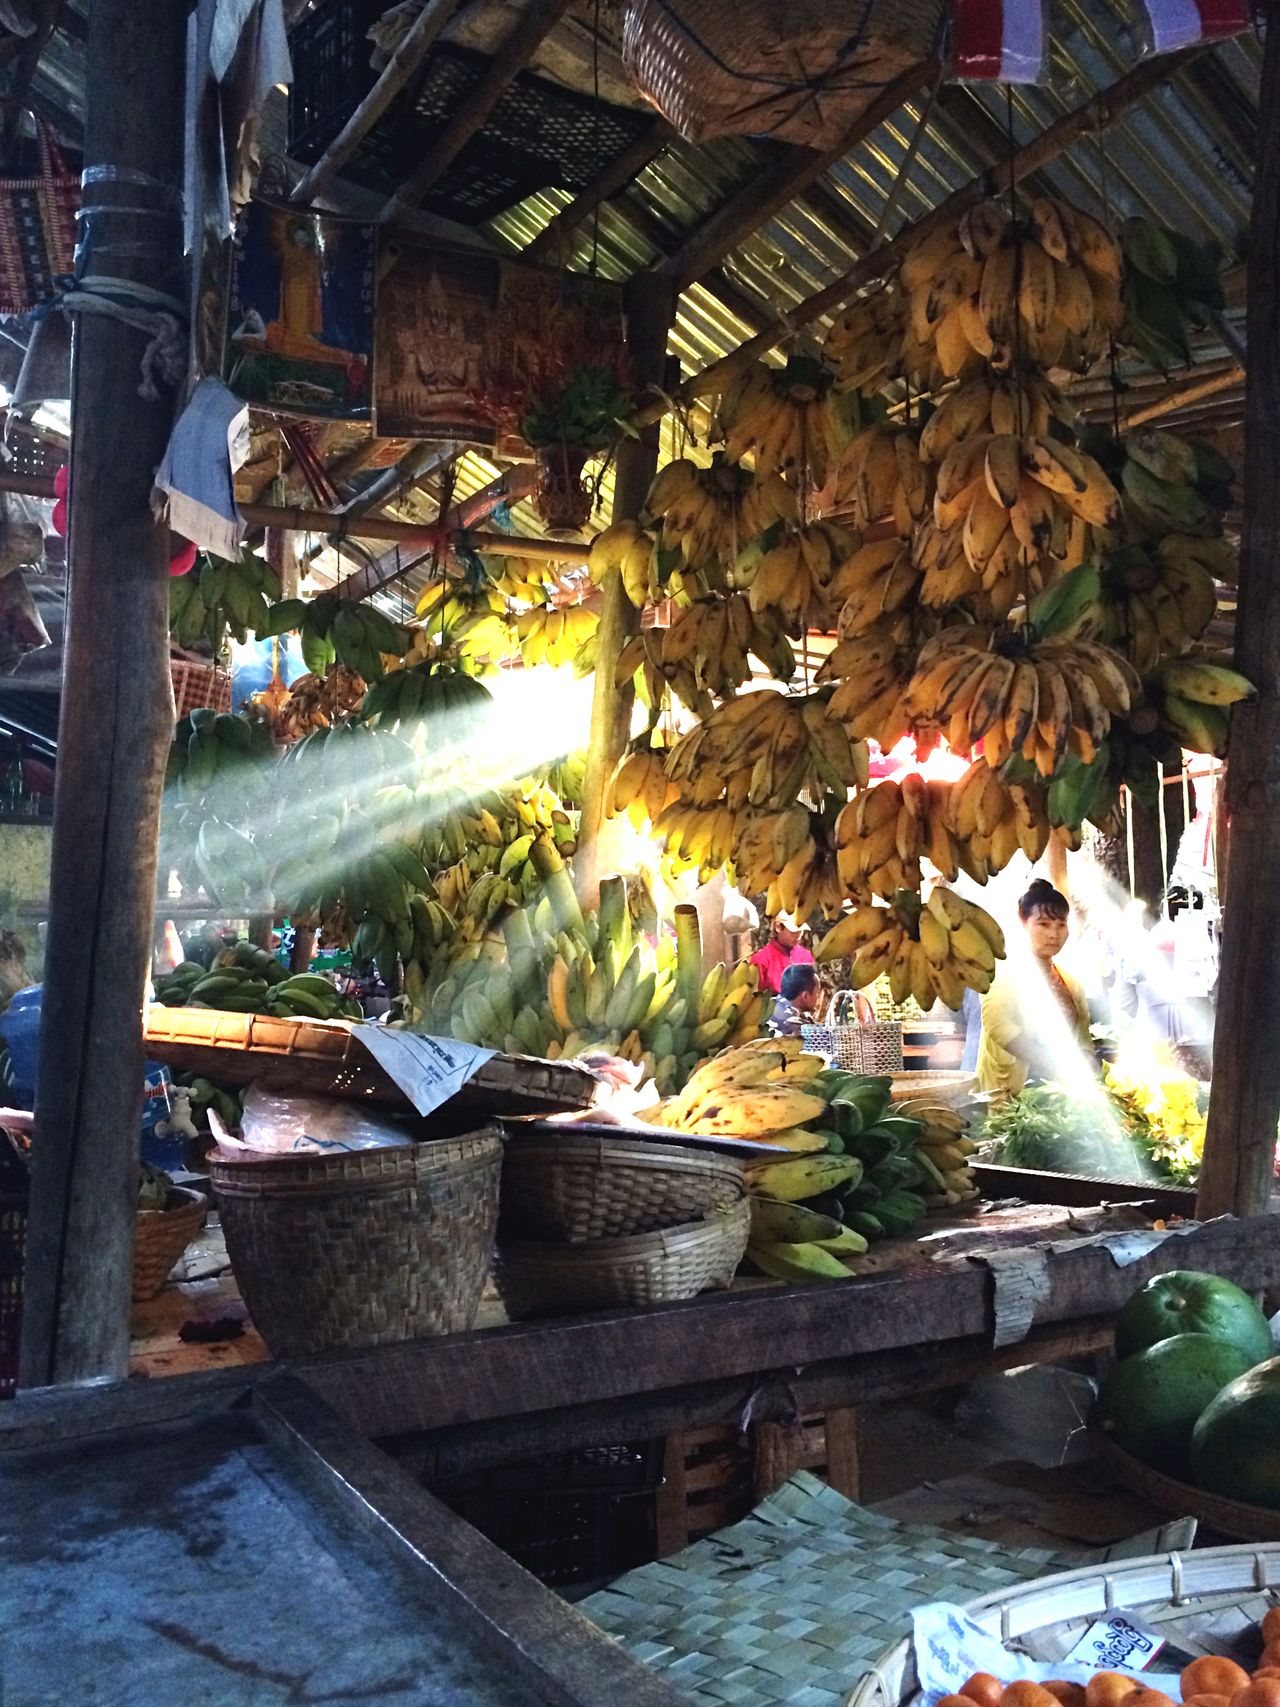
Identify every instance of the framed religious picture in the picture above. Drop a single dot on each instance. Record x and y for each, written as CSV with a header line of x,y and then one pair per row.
x,y
436,311
301,322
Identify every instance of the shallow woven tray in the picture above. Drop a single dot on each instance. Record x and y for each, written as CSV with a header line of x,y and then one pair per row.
x,y
942,1086
573,1187
362,1248
161,1235
1159,1586
326,1058
796,1602
1228,1517
646,1268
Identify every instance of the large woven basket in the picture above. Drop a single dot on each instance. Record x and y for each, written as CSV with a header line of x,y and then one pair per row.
x,y
802,71
943,1086
362,1248
1228,1517
573,1188
1162,1588
647,1268
161,1235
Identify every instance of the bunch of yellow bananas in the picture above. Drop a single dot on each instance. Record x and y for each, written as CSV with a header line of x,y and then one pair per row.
x,y
943,1151
711,640
1019,403
550,636
696,836
764,749
1037,698
886,830
625,546
880,475
640,786
786,853
878,581
783,417
793,576
755,1090
1194,696
1044,288
932,951
991,820
872,672
710,515
864,340
316,702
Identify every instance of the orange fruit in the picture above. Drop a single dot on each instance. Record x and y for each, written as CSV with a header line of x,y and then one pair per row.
x,y
1212,1674
1025,1693
956,1701
1271,1625
1109,1688
984,1689
1069,1694
1267,1671
1262,1692
1270,1655
1144,1697
1206,1701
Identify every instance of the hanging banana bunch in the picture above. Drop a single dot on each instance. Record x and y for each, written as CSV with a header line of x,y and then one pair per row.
x,y
784,418
625,546
1170,283
765,750
793,577
640,786
932,951
880,475
862,345
710,516
872,672
555,636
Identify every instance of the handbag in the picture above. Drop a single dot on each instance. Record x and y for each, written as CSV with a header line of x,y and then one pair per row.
x,y
37,227
875,1047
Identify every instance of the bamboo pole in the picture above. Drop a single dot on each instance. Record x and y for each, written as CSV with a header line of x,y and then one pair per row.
x,y
1239,1152
1086,120
411,533
1181,397
115,726
406,59
650,310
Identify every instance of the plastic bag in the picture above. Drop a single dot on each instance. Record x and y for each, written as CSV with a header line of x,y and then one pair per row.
x,y
996,41
1171,25
278,1125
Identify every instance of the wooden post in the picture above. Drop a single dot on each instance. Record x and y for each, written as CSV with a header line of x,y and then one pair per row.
x,y
1240,1145
116,722
650,310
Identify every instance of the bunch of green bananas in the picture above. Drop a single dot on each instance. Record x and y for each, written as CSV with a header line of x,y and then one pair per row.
x,y
1193,696
1170,283
206,1095
332,629
217,748
220,595
249,979
448,698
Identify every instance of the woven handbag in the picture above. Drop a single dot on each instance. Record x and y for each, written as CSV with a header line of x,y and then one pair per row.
x,y
875,1047
37,227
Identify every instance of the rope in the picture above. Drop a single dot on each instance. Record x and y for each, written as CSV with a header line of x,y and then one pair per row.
x,y
160,317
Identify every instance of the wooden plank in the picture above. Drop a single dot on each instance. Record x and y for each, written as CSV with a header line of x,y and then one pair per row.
x,y
511,58
1241,1139
712,1406
41,1416
565,1659
394,76
768,192
615,177
115,726
473,1378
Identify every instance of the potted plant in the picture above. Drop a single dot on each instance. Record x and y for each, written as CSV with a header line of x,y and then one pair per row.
x,y
572,410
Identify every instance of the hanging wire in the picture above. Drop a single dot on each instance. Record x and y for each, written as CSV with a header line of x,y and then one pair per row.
x,y
595,137
1113,358
1017,252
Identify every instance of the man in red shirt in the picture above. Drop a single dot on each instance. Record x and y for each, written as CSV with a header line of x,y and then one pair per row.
x,y
784,948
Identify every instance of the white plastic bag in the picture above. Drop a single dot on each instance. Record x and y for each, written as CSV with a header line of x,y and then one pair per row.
x,y
276,1125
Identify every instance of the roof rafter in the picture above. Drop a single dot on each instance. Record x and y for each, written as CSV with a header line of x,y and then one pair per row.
x,y
612,181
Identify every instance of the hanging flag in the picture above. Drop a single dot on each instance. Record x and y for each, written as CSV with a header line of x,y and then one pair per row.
x,y
999,41
1181,23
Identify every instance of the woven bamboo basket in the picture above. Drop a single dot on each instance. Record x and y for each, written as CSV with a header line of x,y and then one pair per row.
x,y
161,1235
363,1248
1162,1588
573,1188
646,1268
1228,1517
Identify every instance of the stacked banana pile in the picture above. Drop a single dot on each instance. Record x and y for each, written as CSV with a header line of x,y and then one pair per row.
x,y
858,1166
248,980
932,950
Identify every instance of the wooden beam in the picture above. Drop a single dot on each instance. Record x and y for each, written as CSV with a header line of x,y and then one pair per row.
x,y
612,180
511,58
769,191
561,1658
412,533
115,727
1239,1151
406,59
1181,396
468,1379
1086,120
650,304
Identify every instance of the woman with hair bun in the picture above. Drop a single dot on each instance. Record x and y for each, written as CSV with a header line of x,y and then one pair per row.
x,y
1035,1021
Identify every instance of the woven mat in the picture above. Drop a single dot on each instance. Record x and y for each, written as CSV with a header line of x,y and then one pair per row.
x,y
794,1603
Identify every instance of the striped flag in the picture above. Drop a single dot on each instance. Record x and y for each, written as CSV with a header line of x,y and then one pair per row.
x,y
1182,23
1001,41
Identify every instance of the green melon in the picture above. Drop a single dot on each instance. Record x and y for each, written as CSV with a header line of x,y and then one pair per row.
x,y
1235,1447
1186,1302
1149,1403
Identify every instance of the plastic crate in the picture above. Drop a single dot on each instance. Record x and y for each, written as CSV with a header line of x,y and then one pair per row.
x,y
199,685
